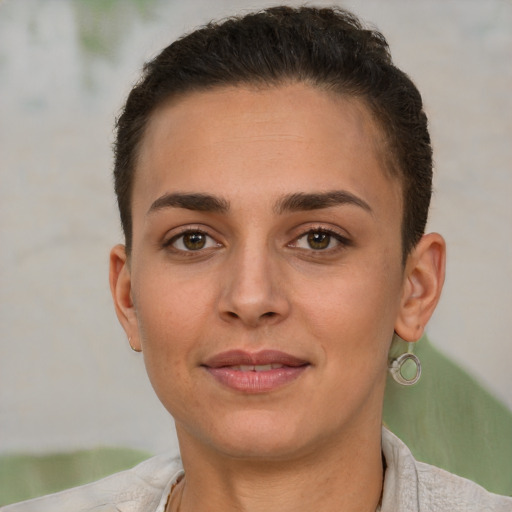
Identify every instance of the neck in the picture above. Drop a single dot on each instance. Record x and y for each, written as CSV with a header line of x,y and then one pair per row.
x,y
345,476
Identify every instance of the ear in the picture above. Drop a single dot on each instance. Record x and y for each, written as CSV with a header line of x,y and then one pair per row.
x,y
121,289
423,282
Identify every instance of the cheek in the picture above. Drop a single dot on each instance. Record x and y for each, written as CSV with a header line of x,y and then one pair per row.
x,y
172,315
171,321
355,311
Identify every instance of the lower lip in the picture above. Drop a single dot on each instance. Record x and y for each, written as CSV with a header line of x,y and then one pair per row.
x,y
256,382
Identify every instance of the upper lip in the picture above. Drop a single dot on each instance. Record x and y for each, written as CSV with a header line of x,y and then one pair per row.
x,y
263,357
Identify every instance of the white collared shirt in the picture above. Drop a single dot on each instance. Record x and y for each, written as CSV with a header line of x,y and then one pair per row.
x,y
409,486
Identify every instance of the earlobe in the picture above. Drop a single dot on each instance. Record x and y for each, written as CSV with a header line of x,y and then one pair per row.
x,y
423,283
121,289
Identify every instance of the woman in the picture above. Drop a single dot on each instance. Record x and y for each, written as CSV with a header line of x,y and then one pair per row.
x,y
273,175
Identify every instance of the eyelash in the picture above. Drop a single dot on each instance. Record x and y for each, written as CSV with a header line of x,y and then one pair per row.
x,y
341,240
169,244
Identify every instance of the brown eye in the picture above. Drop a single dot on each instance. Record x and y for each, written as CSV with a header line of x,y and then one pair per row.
x,y
194,241
318,240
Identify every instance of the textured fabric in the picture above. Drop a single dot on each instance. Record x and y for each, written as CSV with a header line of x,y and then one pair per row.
x,y
409,486
142,489
412,486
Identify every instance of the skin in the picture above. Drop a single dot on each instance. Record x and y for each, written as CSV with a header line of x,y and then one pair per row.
x,y
258,283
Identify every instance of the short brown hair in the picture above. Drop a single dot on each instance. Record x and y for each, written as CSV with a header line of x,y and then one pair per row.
x,y
325,47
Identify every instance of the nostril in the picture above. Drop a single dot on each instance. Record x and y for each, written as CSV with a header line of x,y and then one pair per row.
x,y
269,314
232,314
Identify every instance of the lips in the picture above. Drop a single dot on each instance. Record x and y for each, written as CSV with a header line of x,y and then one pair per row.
x,y
256,367
259,372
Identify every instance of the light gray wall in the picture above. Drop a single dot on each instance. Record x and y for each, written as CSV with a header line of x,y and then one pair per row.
x,y
67,376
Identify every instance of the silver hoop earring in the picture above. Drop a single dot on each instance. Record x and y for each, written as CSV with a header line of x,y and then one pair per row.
x,y
402,371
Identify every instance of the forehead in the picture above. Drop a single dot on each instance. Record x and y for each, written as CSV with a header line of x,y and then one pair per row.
x,y
235,138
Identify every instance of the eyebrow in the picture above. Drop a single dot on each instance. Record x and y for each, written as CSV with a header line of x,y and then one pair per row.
x,y
317,201
197,202
299,201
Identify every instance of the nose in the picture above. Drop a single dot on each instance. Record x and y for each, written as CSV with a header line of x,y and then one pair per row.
x,y
253,292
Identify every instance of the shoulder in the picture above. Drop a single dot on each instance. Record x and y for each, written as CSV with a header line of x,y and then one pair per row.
x,y
412,486
141,488
441,490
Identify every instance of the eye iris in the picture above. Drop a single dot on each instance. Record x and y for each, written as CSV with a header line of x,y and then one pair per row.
x,y
194,241
318,240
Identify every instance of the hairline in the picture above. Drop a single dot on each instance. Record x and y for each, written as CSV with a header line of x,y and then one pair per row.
x,y
381,141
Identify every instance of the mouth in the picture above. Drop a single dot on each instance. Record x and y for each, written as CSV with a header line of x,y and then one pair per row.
x,y
259,372
256,367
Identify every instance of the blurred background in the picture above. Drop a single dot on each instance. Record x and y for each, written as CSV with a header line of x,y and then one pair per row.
x,y
68,379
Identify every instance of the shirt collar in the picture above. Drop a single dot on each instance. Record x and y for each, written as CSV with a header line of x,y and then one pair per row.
x,y
400,493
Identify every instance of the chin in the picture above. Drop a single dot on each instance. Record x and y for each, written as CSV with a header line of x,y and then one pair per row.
x,y
255,435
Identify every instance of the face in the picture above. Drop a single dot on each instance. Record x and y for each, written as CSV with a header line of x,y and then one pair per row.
x,y
266,277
